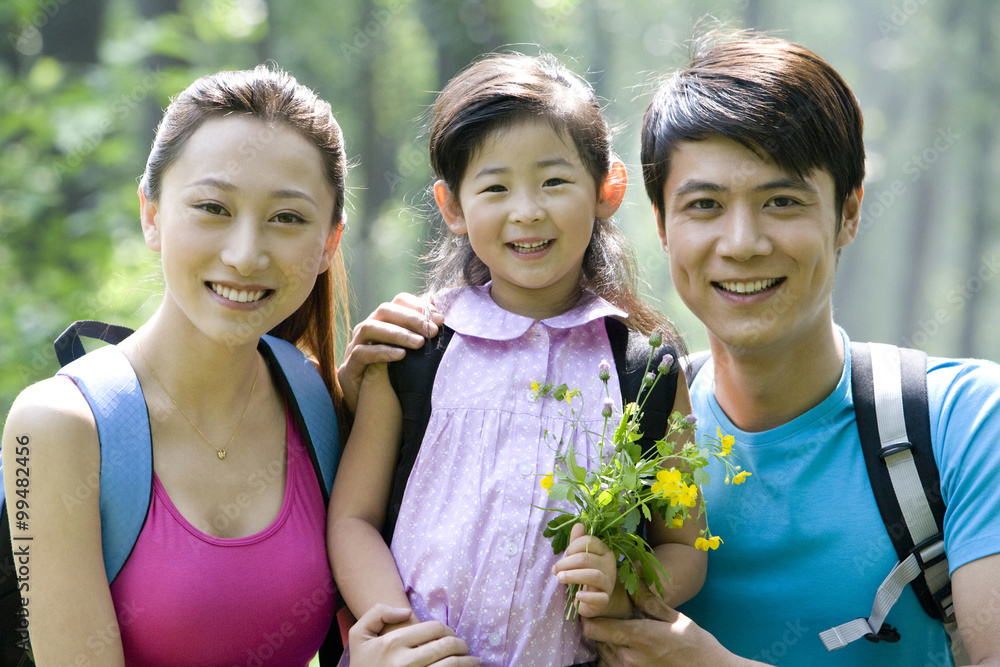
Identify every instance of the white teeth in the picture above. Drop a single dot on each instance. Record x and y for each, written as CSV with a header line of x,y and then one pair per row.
x,y
239,296
749,287
524,247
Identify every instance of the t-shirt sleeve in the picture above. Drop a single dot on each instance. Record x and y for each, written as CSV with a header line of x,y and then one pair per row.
x,y
964,402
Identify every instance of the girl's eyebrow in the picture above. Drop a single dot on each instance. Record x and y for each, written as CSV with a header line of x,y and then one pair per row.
x,y
229,187
547,162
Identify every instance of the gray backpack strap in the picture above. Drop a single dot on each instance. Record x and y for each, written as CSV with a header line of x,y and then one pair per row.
x,y
896,443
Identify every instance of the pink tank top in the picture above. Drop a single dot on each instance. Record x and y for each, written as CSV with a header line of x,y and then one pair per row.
x,y
187,598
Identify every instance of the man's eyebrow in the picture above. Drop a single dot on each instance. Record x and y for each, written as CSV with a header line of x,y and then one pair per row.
x,y
226,186
787,182
690,186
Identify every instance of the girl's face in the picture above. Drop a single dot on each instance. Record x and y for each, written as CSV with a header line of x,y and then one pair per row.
x,y
243,224
528,204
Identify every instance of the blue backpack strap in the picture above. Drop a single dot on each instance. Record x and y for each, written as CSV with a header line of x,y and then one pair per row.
x,y
112,390
310,403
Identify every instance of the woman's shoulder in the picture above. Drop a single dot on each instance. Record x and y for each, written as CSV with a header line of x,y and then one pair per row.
x,y
54,411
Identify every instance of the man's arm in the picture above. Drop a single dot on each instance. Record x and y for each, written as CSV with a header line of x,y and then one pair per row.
x,y
665,638
975,589
405,322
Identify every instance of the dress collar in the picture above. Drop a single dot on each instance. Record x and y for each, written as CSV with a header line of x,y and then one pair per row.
x,y
472,312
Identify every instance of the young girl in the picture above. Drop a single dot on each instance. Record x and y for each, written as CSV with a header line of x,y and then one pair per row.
x,y
243,197
527,188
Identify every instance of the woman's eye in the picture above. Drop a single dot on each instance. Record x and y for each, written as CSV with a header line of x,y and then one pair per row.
x,y
212,208
289,218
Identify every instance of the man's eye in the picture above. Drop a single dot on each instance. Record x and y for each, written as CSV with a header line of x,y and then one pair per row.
x,y
782,202
704,204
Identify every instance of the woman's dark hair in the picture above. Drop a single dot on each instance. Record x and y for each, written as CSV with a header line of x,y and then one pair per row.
x,y
495,93
777,98
272,96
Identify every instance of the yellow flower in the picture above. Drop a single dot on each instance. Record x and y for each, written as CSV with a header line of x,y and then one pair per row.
x,y
678,522
689,496
534,386
668,482
727,442
711,543
741,477
547,482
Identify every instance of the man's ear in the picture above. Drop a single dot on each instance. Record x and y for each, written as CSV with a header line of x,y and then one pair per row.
x,y
332,242
450,210
148,219
612,190
850,217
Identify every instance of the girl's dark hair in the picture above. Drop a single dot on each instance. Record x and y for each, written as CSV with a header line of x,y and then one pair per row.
x,y
777,98
273,96
501,90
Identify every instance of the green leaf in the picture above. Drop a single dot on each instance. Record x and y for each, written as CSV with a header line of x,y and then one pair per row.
x,y
559,393
701,477
559,491
576,472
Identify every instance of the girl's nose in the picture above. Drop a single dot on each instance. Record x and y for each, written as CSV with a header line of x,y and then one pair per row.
x,y
526,209
245,249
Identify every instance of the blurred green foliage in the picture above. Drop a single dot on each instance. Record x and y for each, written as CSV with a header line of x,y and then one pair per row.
x,y
84,81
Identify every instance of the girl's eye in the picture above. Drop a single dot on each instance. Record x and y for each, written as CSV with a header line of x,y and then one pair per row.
x,y
211,208
495,188
552,182
289,218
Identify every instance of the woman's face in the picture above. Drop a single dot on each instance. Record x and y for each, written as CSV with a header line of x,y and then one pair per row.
x,y
244,226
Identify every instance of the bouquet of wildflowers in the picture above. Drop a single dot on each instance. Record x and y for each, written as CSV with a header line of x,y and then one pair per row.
x,y
612,495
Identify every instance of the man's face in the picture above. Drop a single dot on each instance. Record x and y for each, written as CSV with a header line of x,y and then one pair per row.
x,y
753,248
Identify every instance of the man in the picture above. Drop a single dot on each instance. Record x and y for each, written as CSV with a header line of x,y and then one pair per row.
x,y
753,159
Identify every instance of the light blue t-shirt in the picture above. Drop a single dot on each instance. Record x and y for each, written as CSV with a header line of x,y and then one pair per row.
x,y
805,548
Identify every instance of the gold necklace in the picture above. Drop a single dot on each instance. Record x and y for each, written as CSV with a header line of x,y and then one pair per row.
x,y
221,453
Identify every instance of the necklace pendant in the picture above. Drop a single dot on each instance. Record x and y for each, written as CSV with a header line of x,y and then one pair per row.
x,y
222,454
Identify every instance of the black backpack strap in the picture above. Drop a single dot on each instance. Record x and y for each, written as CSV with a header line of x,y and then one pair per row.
x,y
413,379
889,386
694,363
631,354
68,345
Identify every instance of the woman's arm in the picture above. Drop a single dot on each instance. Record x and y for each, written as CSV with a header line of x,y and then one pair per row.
x,y
50,440
362,564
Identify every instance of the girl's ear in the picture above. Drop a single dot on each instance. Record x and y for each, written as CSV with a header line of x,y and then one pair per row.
x,y
450,210
332,241
148,218
612,191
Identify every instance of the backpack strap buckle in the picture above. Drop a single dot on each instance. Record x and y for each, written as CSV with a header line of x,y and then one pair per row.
x,y
886,633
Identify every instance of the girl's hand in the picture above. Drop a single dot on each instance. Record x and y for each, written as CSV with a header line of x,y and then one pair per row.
x,y
405,322
590,563
420,645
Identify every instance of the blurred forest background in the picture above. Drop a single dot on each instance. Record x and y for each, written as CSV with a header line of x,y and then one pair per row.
x,y
83,82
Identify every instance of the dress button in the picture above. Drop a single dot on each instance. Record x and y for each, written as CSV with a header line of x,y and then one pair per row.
x,y
525,469
495,638
510,549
